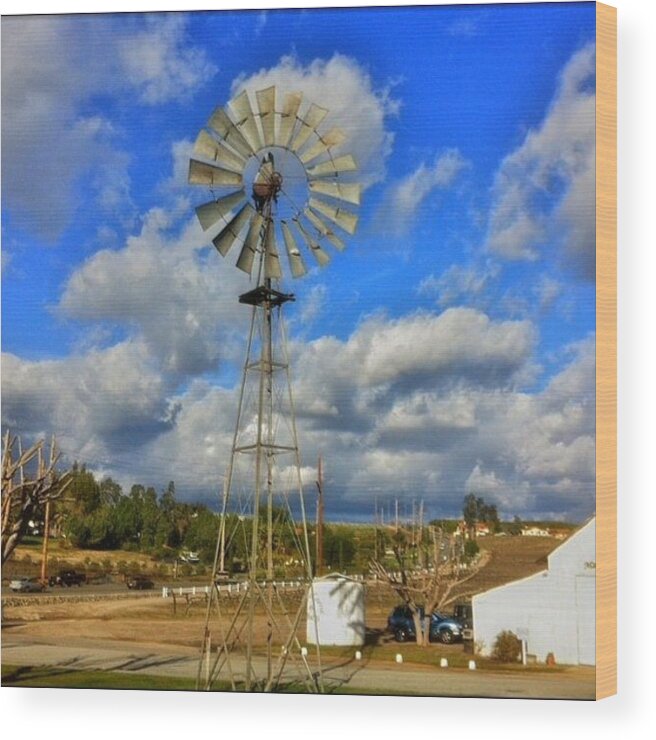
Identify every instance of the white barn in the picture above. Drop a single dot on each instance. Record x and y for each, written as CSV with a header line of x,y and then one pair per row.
x,y
554,610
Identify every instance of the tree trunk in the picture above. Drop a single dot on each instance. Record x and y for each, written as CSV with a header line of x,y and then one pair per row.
x,y
419,631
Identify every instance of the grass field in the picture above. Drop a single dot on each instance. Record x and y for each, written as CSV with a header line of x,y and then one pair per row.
x,y
58,678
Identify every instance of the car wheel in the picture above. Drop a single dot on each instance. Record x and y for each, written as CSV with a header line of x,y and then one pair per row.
x,y
446,637
401,635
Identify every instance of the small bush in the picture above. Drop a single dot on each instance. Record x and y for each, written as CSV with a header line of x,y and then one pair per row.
x,y
507,647
471,549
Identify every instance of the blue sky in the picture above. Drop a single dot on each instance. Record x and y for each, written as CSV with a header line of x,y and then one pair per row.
x,y
449,349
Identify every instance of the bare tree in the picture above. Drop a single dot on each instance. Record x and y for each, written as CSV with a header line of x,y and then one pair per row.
x,y
29,482
427,576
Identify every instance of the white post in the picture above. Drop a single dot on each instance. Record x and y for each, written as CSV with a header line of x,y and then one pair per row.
x,y
208,652
523,652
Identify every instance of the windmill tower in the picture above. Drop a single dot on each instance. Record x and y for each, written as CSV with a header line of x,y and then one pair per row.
x,y
279,177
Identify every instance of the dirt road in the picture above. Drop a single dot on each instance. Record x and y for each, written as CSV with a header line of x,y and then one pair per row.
x,y
170,660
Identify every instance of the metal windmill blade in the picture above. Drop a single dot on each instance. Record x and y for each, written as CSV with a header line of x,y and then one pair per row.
x,y
245,121
334,138
309,123
349,192
346,163
266,104
296,263
209,213
321,256
201,173
207,147
249,250
288,118
324,229
344,219
271,256
230,233
220,123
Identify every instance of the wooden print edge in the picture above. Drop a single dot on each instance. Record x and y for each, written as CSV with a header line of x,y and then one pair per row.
x,y
606,351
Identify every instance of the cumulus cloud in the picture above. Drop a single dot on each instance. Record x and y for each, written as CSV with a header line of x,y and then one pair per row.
x,y
51,71
544,190
106,401
162,285
344,87
404,198
392,409
457,343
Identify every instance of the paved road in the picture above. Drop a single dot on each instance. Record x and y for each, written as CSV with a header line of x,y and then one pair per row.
x,y
183,662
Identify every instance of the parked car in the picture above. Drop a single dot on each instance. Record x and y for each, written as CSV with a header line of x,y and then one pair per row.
x,y
463,614
189,557
27,585
139,583
441,628
68,578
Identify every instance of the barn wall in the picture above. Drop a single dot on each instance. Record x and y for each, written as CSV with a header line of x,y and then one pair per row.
x,y
552,610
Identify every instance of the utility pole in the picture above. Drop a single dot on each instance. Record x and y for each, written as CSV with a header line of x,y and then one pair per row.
x,y
376,528
320,514
46,524
44,552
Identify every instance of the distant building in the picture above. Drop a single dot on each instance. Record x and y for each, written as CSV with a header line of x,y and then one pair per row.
x,y
481,529
534,532
554,610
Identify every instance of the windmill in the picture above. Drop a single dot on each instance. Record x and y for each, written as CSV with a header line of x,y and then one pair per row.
x,y
281,179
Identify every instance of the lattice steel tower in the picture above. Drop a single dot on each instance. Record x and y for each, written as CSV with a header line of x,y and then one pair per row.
x,y
285,180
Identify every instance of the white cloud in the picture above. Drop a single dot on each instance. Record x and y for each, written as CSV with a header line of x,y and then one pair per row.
x,y
159,65
104,401
506,495
544,190
160,283
52,68
404,199
548,291
416,426
313,304
342,86
460,283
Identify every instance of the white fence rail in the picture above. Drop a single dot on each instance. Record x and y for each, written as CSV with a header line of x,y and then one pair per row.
x,y
227,588
233,588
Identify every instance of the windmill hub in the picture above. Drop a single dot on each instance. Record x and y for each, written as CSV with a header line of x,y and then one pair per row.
x,y
266,187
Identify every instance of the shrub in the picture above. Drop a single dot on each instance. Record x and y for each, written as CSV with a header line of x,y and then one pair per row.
x,y
507,647
471,549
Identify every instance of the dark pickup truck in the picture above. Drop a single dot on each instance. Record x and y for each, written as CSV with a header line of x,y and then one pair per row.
x,y
68,578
